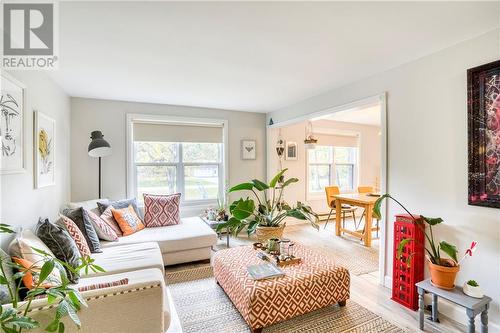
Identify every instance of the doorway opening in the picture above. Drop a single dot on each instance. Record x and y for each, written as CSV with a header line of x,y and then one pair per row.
x,y
349,158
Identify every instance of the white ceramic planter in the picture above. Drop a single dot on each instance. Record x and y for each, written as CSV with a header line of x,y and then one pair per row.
x,y
471,291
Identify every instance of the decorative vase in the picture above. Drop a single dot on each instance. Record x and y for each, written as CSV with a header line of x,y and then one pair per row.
x,y
472,291
265,233
443,276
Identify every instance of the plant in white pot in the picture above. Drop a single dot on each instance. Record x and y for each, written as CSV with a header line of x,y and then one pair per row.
x,y
472,289
265,213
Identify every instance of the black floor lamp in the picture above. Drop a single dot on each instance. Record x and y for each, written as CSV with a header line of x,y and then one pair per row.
x,y
99,147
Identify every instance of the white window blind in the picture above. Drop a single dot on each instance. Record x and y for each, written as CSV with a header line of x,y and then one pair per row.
x,y
158,132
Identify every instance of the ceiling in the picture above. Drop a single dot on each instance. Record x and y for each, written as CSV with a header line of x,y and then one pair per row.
x,y
366,116
248,56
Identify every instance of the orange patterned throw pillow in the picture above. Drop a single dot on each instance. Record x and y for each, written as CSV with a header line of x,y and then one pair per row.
x,y
77,235
32,273
128,220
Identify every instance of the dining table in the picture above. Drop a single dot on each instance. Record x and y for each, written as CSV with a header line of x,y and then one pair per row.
x,y
363,200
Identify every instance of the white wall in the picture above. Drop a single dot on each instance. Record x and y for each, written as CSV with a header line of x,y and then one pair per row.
x,y
427,153
21,204
110,117
368,143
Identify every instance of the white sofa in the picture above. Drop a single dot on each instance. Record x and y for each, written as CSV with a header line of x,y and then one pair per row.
x,y
188,241
143,305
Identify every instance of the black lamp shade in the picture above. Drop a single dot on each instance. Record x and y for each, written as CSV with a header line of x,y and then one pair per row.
x,y
98,147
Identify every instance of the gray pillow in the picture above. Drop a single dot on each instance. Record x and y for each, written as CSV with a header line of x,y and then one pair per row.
x,y
61,244
119,204
85,227
7,269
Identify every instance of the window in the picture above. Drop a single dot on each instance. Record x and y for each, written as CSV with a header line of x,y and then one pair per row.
x,y
328,165
167,158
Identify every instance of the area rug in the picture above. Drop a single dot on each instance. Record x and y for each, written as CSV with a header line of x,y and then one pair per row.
x,y
203,307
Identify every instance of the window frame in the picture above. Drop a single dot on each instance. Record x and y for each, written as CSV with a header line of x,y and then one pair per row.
x,y
131,182
314,195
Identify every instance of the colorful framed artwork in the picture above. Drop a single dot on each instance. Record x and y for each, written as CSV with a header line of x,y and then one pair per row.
x,y
44,155
291,151
248,149
13,156
483,106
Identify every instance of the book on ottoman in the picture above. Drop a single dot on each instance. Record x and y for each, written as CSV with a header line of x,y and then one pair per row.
x,y
264,271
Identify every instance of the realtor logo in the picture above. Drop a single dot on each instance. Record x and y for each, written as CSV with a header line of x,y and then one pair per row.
x,y
29,36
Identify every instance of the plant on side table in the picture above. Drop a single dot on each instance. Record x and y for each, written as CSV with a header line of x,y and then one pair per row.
x,y
15,318
443,270
265,214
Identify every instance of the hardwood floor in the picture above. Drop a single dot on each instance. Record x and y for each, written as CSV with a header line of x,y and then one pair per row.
x,y
365,288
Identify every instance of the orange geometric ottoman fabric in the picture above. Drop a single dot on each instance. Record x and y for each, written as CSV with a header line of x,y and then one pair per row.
x,y
313,284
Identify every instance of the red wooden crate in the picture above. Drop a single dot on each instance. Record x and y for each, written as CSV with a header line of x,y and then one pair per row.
x,y
404,277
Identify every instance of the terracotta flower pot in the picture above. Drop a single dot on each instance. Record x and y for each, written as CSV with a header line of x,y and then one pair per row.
x,y
265,233
443,276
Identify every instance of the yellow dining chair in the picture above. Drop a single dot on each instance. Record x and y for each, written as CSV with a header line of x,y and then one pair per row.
x,y
366,190
331,191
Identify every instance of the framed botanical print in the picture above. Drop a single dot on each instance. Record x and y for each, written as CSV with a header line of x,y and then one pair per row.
x,y
12,98
291,151
483,108
248,149
44,136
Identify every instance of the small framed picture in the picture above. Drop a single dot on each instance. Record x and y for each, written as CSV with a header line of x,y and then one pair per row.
x,y
44,137
248,148
291,151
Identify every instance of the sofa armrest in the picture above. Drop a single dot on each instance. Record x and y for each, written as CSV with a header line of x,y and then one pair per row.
x,y
136,307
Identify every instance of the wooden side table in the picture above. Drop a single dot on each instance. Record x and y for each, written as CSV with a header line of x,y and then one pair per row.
x,y
473,306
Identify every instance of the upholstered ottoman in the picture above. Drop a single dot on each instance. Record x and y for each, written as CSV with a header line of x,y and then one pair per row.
x,y
313,284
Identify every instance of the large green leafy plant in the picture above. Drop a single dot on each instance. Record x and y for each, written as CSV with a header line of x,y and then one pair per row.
x,y
266,208
15,318
432,248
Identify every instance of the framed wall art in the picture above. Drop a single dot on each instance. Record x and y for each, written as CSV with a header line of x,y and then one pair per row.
x,y
291,151
13,156
248,149
483,107
44,155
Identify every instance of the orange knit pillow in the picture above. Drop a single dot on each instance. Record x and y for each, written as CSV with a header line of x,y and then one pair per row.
x,y
128,220
32,273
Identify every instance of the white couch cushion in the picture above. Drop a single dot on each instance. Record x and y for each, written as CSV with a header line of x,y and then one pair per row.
x,y
128,257
190,233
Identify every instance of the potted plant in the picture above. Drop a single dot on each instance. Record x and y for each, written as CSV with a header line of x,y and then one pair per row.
x,y
443,270
471,288
16,318
265,213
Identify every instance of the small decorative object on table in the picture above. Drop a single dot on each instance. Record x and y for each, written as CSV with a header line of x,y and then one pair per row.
x,y
471,288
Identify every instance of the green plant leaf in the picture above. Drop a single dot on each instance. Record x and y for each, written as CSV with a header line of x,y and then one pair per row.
x,y
244,209
377,206
290,181
276,178
241,187
432,220
24,322
53,326
61,327
252,226
259,185
3,280
296,214
449,249
401,246
47,268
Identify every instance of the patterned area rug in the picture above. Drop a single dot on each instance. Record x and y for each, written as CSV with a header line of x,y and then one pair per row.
x,y
203,307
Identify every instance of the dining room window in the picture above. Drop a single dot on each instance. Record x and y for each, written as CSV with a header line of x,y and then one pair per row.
x,y
331,165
